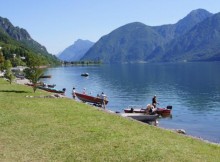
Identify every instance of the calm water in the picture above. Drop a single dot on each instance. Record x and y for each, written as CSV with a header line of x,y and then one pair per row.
x,y
193,89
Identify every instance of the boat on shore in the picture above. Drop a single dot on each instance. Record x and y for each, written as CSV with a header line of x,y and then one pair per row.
x,y
46,88
160,111
91,99
141,116
52,90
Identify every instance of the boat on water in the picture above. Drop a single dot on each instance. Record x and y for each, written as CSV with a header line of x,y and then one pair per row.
x,y
91,99
160,111
140,116
164,111
85,74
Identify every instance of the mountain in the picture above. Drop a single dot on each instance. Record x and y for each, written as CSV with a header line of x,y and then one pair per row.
x,y
76,51
201,43
172,31
137,42
131,42
18,40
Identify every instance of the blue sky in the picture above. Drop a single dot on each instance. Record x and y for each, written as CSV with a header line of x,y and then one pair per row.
x,y
57,24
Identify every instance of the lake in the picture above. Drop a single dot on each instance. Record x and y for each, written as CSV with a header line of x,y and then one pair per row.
x,y
193,89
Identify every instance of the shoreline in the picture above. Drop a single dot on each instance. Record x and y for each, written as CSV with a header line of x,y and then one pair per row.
x,y
25,81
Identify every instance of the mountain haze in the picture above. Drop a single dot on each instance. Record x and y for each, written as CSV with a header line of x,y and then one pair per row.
x,y
76,51
187,40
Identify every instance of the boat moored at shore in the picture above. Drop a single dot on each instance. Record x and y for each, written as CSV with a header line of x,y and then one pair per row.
x,y
140,116
91,99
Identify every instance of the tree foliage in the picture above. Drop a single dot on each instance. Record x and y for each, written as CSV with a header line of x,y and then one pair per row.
x,y
8,73
33,74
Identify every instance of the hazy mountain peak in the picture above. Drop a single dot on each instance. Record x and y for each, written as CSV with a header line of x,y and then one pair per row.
x,y
195,17
200,12
75,51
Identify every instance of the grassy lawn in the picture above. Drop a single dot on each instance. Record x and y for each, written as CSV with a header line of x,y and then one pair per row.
x,y
51,129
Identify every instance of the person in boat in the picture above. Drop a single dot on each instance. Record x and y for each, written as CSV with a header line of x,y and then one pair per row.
x,y
74,93
154,101
84,91
150,109
103,97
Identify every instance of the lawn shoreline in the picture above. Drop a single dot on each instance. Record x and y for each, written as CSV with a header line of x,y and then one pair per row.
x,y
50,129
25,81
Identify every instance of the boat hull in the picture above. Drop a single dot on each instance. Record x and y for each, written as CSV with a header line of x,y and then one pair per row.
x,y
140,116
90,99
159,111
51,90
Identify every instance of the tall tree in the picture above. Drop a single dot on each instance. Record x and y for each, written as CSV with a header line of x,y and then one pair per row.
x,y
34,72
8,74
2,59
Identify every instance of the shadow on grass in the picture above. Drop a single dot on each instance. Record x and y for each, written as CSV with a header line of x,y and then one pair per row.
x,y
14,91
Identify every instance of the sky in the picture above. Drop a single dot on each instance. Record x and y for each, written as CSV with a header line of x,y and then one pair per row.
x,y
57,24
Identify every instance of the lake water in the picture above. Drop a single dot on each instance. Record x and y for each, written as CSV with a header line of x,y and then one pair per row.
x,y
193,89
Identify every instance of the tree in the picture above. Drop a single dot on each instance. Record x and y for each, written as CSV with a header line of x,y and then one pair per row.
x,y
17,62
2,59
33,74
8,74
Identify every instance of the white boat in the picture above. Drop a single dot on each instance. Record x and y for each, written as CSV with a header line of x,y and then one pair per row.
x,y
140,116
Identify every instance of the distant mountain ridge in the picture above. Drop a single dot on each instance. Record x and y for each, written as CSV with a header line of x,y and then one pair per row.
x,y
201,43
76,51
183,41
18,40
20,35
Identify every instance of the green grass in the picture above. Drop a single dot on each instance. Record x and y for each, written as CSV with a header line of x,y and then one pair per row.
x,y
48,129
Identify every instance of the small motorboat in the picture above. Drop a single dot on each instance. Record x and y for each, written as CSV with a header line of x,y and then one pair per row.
x,y
85,74
141,116
91,99
164,111
160,111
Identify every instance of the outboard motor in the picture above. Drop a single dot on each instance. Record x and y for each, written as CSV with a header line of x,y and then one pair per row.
x,y
169,107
